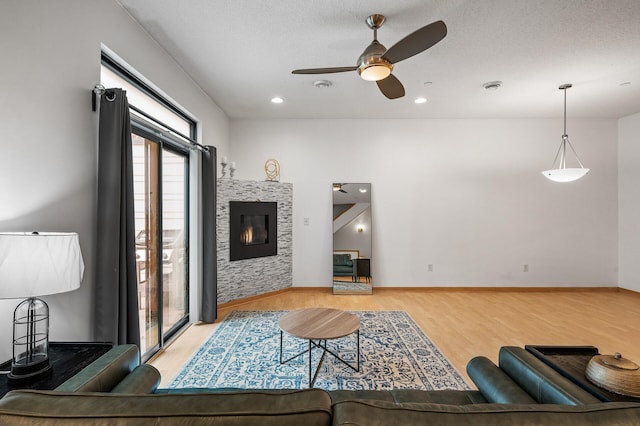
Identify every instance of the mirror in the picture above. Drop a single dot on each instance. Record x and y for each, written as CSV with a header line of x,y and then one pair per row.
x,y
352,258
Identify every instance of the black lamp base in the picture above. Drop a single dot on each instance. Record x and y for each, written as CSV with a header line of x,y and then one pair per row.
x,y
34,370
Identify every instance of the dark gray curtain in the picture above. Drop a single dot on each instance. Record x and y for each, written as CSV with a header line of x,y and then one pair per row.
x,y
116,292
209,305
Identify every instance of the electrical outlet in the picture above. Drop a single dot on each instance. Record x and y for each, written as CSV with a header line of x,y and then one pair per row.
x,y
306,221
525,267
430,267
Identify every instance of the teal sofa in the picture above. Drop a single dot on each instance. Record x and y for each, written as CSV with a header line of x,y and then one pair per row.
x,y
344,266
116,390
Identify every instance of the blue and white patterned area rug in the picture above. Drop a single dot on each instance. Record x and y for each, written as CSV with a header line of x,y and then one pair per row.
x,y
243,352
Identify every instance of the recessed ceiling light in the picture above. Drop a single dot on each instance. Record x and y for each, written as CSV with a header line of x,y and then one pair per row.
x,y
492,85
428,83
363,190
322,84
420,100
626,83
277,100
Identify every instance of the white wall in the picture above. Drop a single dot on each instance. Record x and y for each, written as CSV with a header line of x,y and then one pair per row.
x,y
51,60
629,201
464,195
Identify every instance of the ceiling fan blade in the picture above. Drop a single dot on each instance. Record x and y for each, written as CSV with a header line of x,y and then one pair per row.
x,y
416,42
324,70
391,87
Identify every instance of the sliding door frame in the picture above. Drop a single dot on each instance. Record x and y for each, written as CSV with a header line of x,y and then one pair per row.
x,y
165,144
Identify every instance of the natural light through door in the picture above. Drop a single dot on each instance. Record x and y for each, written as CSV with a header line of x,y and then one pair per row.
x,y
160,188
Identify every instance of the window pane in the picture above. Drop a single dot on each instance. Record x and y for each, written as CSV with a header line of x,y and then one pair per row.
x,y
144,102
174,219
146,205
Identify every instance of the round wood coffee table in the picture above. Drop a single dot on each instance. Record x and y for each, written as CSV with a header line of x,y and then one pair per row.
x,y
318,325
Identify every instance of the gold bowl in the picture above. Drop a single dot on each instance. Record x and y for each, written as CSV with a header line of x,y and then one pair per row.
x,y
615,374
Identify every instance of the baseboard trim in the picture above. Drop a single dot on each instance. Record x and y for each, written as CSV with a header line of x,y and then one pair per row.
x,y
630,292
498,289
311,289
242,301
234,303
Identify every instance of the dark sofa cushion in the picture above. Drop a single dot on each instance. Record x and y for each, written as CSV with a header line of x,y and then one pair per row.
x,y
446,396
542,382
309,407
370,413
343,265
342,260
144,378
494,384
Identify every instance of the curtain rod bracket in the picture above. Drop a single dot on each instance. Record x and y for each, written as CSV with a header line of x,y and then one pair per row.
x,y
98,90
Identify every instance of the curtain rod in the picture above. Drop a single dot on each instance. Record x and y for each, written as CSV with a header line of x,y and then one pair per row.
x,y
99,90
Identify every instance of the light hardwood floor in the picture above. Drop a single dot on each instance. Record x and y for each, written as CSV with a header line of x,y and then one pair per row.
x,y
464,323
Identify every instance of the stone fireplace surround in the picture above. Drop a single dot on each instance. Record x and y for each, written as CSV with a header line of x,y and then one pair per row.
x,y
252,277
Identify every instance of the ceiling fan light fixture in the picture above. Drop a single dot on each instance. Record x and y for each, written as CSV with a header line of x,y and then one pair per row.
x,y
371,65
374,72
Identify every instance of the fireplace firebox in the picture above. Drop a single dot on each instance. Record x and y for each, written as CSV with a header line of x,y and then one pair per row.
x,y
253,229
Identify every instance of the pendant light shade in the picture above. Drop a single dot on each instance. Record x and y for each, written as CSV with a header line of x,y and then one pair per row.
x,y
565,175
559,171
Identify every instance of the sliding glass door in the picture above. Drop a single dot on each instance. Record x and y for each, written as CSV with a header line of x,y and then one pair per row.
x,y
161,226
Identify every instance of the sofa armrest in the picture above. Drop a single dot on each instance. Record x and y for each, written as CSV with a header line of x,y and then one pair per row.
x,y
539,380
494,384
143,379
103,374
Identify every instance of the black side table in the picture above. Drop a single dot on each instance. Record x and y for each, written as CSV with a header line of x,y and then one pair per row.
x,y
67,359
363,269
571,362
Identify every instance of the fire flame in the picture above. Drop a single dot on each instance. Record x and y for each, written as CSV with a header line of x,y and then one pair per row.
x,y
247,235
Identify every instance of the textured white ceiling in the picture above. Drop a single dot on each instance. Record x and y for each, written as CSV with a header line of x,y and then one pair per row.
x,y
242,52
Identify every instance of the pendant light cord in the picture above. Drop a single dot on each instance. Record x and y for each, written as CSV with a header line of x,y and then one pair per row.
x,y
562,150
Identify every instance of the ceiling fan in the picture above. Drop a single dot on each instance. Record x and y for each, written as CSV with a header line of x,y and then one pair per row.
x,y
337,187
376,62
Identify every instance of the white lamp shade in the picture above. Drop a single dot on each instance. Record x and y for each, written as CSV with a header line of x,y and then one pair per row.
x,y
34,265
566,174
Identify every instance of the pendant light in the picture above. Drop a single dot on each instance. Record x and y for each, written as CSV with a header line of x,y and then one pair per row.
x,y
559,171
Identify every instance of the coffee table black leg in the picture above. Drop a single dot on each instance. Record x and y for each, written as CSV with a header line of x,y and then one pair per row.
x,y
293,357
323,345
315,376
310,353
358,353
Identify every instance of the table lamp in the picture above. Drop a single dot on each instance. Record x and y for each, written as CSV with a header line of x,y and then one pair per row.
x,y
31,265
